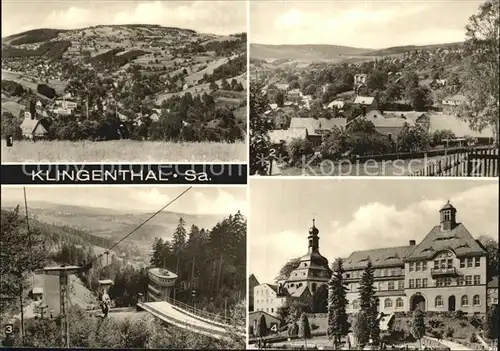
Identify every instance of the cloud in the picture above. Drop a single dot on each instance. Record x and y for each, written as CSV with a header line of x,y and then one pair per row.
x,y
150,198
223,203
376,225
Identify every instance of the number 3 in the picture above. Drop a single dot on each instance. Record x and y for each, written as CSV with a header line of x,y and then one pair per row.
x,y
8,329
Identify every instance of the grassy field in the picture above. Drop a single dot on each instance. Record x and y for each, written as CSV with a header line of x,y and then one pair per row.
x,y
123,151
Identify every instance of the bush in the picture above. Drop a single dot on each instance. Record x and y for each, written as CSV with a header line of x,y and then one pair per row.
x,y
299,148
293,329
449,332
473,338
459,314
476,322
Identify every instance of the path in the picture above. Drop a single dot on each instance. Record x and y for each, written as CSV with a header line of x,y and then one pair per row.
x,y
452,345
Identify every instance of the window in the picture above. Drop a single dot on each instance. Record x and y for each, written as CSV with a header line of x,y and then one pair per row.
x,y
477,261
447,281
450,263
355,305
412,283
424,266
439,282
439,301
418,267
418,283
393,271
462,263
348,275
388,303
399,303
398,271
464,301
469,262
477,279
313,287
272,309
460,281
436,264
390,286
447,215
476,301
468,280
401,285
411,266
424,283
387,272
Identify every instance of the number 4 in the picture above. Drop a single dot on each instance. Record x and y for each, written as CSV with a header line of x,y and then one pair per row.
x,y
274,328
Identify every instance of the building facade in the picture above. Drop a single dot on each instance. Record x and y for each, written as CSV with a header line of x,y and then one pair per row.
x,y
161,283
266,299
252,283
446,271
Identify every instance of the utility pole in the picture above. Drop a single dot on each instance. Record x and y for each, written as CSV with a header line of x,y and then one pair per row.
x,y
225,309
219,280
192,273
22,312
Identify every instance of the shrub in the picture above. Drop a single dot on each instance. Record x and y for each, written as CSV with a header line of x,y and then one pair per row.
x,y
449,332
473,338
299,148
459,314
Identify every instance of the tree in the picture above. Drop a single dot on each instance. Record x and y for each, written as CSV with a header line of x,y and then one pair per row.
x,y
280,99
368,302
304,328
439,136
287,269
338,325
361,330
491,247
412,138
261,328
179,237
491,323
320,299
481,71
260,126
418,325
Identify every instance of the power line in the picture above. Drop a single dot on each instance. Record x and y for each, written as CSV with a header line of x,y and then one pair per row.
x,y
143,223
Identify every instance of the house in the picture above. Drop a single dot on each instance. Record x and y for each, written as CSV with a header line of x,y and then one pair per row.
x,y
279,118
37,294
294,95
33,128
318,128
450,104
493,292
366,103
446,271
287,135
338,104
252,283
390,126
359,81
459,127
413,118
266,299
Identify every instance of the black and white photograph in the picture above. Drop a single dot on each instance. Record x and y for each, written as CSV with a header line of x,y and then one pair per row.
x,y
408,264
124,81
374,88
123,267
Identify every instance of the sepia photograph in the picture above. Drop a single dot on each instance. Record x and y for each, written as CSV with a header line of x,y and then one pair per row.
x,y
374,88
124,81
403,264
123,267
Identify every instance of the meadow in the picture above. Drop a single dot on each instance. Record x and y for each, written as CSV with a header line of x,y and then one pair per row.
x,y
122,151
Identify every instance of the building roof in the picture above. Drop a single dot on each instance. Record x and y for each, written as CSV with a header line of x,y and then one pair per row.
x,y
456,97
492,284
337,103
364,100
383,257
380,121
37,291
459,127
313,124
253,280
272,286
282,86
29,126
287,135
255,315
458,240
163,273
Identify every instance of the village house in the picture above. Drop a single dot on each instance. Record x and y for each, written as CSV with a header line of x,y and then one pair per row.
x,y
446,271
252,283
266,299
359,81
493,292
366,103
338,104
318,128
413,118
285,136
33,128
450,104
294,95
459,127
279,118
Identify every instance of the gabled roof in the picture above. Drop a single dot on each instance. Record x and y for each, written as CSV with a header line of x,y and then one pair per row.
x,y
312,124
287,135
272,286
383,257
458,240
253,280
492,284
30,126
364,100
459,127
387,122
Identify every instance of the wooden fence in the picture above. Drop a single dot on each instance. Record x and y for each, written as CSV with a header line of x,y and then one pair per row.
x,y
481,162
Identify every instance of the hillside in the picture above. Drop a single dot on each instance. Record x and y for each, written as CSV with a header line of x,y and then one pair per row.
x,y
303,52
143,71
403,49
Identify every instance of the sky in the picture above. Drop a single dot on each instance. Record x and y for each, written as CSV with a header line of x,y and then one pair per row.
x,y
357,215
215,17
372,24
198,200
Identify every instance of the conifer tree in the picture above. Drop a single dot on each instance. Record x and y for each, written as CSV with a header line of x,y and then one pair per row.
x,y
368,303
338,325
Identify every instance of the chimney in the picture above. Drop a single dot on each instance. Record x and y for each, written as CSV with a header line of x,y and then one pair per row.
x,y
412,242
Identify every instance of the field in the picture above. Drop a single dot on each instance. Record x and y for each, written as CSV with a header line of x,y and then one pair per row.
x,y
32,82
123,151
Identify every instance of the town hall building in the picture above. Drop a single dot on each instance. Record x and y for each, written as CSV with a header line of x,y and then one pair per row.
x,y
446,271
